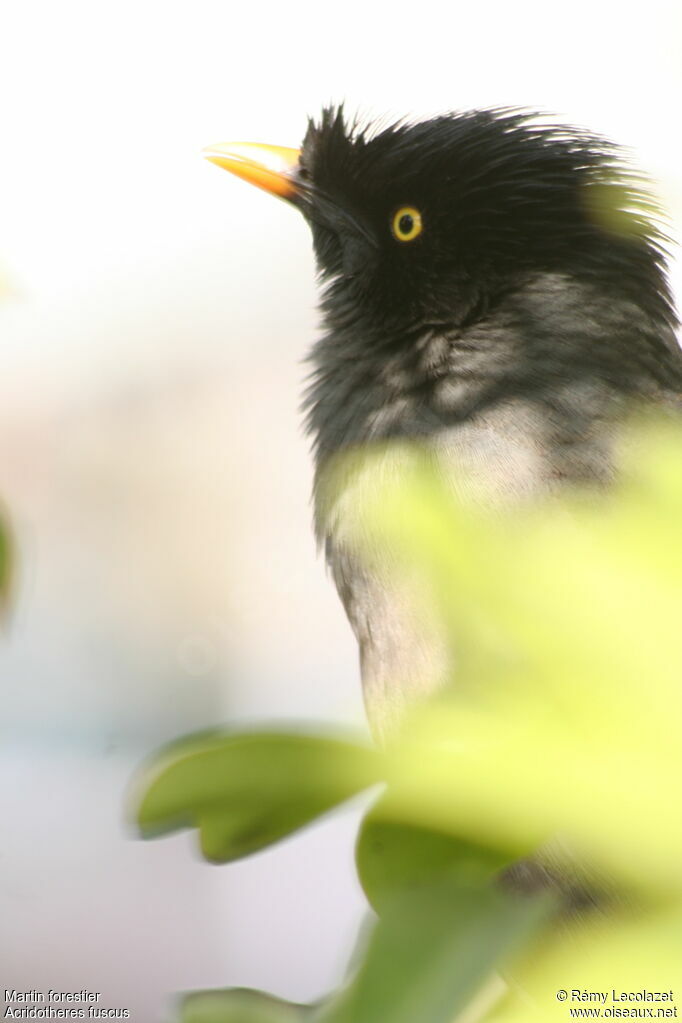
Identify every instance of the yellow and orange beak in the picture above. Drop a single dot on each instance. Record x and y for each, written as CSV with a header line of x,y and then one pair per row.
x,y
273,168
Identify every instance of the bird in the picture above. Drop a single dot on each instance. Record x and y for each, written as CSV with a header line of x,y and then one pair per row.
x,y
495,290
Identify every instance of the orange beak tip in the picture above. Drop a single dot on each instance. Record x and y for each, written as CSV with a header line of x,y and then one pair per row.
x,y
271,168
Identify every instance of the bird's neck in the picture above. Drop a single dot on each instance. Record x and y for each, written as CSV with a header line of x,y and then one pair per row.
x,y
554,331
374,387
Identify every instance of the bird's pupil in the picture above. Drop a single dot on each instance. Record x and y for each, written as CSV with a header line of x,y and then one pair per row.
x,y
406,223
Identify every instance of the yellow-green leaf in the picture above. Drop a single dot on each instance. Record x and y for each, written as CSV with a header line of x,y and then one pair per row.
x,y
246,790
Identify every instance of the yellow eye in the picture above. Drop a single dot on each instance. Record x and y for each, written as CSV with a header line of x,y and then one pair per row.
x,y
406,224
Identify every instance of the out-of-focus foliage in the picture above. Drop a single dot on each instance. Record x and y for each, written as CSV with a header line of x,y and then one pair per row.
x,y
563,728
244,791
622,953
8,287
240,1005
562,732
394,856
566,714
432,951
6,565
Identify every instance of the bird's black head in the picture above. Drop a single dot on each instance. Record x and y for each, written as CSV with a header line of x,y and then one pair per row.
x,y
430,222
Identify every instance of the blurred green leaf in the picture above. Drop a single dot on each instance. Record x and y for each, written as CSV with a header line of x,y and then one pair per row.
x,y
622,952
560,737
239,1005
246,790
433,951
394,857
6,565
8,285
565,716
623,205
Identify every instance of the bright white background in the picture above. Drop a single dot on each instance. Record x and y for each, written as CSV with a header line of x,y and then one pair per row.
x,y
153,317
